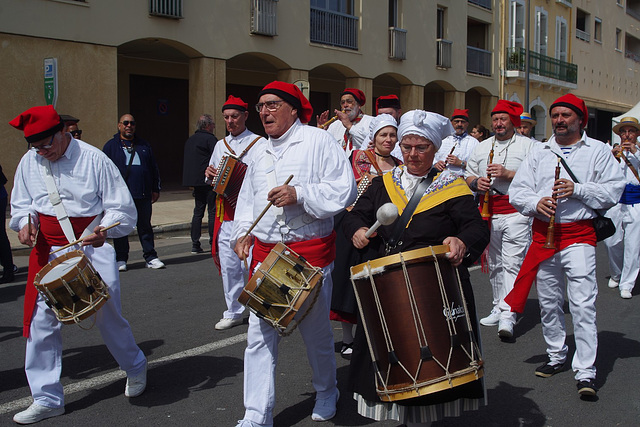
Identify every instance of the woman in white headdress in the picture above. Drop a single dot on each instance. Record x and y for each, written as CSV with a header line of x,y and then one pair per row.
x,y
446,214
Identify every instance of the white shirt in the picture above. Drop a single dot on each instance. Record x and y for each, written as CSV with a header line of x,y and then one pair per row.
x,y
359,133
88,182
509,153
238,144
322,177
601,181
634,159
464,146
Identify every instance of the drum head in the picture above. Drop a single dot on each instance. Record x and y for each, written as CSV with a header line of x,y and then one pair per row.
x,y
60,270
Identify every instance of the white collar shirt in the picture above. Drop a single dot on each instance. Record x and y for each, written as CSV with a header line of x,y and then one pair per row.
x,y
464,146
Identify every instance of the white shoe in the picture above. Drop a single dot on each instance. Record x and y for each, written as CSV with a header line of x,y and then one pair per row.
x,y
136,384
613,283
505,329
492,319
155,264
325,409
226,323
122,265
35,413
625,293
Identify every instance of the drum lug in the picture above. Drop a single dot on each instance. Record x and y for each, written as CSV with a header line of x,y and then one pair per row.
x,y
284,289
455,341
425,353
393,358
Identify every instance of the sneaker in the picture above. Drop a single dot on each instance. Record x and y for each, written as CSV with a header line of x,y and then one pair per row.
x,y
505,329
122,265
347,350
625,293
226,323
15,269
613,283
35,413
155,264
247,423
198,250
492,319
548,369
587,388
325,409
136,384
7,277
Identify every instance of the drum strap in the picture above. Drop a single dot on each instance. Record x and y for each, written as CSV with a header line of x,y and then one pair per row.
x,y
408,212
56,201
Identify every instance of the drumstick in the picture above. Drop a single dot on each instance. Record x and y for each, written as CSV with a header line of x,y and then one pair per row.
x,y
81,239
264,211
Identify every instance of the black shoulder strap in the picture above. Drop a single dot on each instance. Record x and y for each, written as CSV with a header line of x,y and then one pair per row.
x,y
567,168
409,210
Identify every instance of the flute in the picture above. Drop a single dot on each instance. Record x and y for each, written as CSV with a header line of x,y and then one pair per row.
x,y
485,202
450,153
551,229
328,122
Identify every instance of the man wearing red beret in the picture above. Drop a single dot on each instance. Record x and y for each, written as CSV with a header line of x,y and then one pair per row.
x,y
510,231
64,188
239,143
597,183
302,218
351,130
456,148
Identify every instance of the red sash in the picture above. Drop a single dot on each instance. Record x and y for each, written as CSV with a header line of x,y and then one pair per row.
x,y
499,205
318,252
565,235
224,212
50,234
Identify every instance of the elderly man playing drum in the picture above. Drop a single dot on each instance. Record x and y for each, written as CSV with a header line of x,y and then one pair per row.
x,y
65,188
440,211
301,218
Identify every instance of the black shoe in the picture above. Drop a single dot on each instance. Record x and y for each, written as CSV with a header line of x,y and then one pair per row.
x,y
587,388
197,250
547,370
346,350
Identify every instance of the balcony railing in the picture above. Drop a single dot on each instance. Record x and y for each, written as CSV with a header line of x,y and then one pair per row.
x,y
478,61
443,53
542,65
632,55
583,35
264,17
397,43
334,28
166,8
482,3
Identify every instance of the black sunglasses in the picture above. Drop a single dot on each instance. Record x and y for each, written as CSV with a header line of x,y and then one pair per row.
x,y
128,122
76,133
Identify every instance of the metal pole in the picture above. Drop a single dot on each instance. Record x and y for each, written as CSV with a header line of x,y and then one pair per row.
x,y
526,57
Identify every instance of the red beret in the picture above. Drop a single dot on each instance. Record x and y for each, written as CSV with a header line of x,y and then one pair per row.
x,y
38,123
576,104
513,109
357,94
293,96
235,103
387,101
460,114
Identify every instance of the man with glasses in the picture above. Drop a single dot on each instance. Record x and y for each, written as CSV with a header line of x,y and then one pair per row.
x,y
134,158
302,218
351,130
510,230
624,245
89,195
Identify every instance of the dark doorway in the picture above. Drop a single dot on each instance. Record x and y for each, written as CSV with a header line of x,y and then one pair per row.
x,y
161,108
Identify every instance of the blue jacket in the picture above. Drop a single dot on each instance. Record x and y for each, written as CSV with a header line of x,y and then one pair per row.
x,y
144,176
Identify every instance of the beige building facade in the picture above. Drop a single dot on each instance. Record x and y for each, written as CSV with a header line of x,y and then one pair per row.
x,y
167,62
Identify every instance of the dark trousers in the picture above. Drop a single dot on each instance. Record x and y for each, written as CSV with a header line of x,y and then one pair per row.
x,y
6,258
145,234
205,198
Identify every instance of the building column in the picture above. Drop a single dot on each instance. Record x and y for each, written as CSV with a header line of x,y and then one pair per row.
x,y
487,103
293,76
411,97
365,85
207,88
453,99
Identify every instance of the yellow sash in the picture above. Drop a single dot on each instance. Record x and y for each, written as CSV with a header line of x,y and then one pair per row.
x,y
439,192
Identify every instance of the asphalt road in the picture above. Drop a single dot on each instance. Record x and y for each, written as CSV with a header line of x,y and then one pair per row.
x,y
195,373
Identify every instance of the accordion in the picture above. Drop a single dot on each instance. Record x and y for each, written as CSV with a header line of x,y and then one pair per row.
x,y
228,179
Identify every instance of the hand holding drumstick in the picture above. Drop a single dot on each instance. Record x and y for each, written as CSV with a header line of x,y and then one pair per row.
x,y
96,239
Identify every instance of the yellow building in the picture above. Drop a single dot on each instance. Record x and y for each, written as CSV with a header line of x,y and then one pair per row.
x,y
167,62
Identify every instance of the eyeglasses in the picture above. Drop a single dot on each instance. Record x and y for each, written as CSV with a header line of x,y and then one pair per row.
x,y
76,133
43,147
628,131
420,149
271,105
128,122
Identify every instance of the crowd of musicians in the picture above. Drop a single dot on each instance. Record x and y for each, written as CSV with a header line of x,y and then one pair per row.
x,y
389,211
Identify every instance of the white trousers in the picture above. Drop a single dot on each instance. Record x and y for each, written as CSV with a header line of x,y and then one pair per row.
x,y
624,245
43,361
576,264
510,238
232,270
261,356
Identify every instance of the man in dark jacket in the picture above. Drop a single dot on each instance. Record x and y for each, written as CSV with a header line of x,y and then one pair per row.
x,y
197,152
133,156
